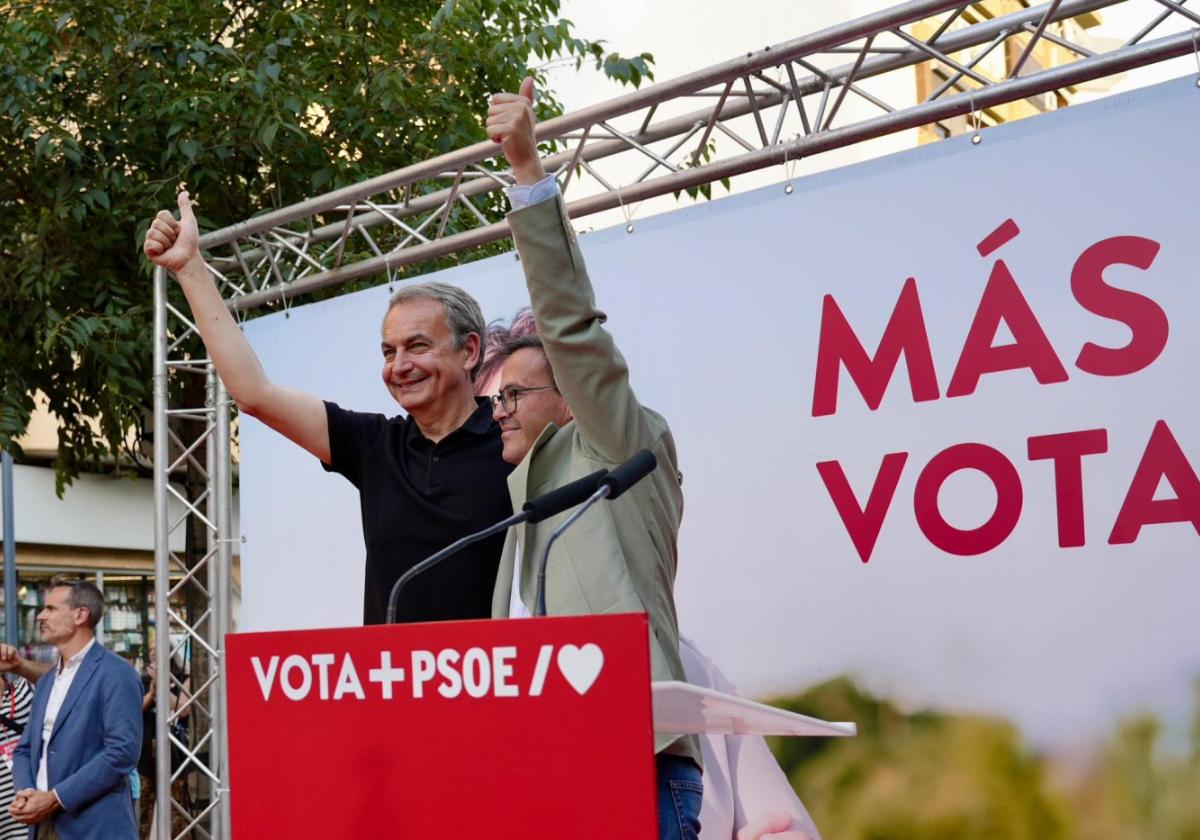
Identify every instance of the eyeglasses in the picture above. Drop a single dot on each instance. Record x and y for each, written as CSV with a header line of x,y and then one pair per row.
x,y
508,396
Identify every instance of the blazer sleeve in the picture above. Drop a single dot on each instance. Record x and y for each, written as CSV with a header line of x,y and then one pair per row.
x,y
23,767
588,368
120,696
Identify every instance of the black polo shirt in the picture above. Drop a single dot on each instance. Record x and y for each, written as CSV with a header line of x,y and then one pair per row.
x,y
417,497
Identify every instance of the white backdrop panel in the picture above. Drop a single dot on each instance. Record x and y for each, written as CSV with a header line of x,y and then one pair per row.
x,y
718,309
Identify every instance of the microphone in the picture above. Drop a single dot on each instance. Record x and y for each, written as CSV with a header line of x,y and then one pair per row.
x,y
534,510
562,498
629,473
611,486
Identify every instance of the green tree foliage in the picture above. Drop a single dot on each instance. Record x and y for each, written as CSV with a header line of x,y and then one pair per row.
x,y
1140,787
106,107
924,776
932,775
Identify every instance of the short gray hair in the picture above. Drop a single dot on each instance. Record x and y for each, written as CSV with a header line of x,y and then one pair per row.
x,y
84,595
463,315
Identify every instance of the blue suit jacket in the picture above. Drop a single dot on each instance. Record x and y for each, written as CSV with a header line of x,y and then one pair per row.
x,y
92,750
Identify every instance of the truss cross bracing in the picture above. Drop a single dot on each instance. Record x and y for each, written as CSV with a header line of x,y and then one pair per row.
x,y
775,105
819,92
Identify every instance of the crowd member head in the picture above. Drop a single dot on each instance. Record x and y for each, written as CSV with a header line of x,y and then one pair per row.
x,y
528,398
432,347
72,611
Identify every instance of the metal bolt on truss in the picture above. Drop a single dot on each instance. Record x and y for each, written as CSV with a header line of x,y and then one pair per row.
x,y
813,94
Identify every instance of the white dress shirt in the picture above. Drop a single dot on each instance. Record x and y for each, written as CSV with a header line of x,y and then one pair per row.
x,y
523,195
516,607
64,675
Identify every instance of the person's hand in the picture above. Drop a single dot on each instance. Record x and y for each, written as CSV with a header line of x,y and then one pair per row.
x,y
511,123
10,660
34,806
773,826
28,669
173,244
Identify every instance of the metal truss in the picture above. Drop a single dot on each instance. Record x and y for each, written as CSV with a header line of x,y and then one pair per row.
x,y
767,108
772,107
192,596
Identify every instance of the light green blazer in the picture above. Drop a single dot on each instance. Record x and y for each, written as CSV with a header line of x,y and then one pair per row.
x,y
620,556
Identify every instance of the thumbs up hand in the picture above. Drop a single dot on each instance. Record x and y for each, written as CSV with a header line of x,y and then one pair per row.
x,y
170,243
511,123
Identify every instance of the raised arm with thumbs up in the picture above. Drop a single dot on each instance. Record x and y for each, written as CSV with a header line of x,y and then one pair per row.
x,y
511,123
175,245
587,415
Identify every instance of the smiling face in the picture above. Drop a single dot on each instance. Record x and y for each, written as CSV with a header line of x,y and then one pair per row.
x,y
527,368
421,367
58,621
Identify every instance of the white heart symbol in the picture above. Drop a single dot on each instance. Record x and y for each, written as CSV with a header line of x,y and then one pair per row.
x,y
580,665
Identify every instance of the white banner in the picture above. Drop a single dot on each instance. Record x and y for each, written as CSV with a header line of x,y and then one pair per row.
x,y
937,416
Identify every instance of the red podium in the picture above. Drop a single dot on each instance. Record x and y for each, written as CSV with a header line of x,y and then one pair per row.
x,y
532,728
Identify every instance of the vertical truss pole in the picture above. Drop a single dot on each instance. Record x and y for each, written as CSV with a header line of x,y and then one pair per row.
x,y
10,554
207,699
222,593
162,560
201,580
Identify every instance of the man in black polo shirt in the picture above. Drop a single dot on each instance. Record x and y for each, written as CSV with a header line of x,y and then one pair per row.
x,y
424,480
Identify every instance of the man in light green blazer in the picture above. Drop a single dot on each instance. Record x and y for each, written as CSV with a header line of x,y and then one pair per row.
x,y
566,409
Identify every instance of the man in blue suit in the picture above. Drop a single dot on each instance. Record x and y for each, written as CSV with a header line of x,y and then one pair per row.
x,y
71,768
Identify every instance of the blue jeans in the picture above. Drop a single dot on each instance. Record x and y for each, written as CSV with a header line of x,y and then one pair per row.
x,y
680,793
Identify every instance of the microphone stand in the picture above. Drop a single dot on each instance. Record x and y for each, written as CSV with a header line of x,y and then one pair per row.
x,y
534,510
434,559
603,493
612,485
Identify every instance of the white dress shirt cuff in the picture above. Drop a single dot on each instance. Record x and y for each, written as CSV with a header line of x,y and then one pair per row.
x,y
523,195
